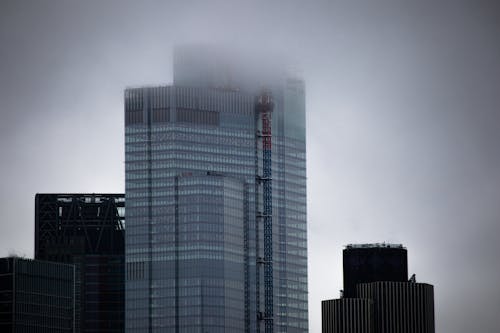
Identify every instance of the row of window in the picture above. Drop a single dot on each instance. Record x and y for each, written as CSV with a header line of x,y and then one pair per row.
x,y
174,148
185,136
225,168
135,270
169,131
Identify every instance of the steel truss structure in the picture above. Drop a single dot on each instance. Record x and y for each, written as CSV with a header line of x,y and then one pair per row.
x,y
264,108
95,219
87,230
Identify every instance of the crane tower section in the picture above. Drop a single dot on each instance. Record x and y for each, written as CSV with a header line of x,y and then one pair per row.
x,y
264,108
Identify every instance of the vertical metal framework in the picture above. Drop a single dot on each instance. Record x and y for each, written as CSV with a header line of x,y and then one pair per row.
x,y
87,230
147,105
93,219
264,109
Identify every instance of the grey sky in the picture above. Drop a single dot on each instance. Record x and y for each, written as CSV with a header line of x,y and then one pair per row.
x,y
403,121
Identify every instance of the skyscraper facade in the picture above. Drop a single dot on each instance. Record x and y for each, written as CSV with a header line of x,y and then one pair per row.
x,y
400,306
197,213
36,296
347,315
379,297
373,262
87,230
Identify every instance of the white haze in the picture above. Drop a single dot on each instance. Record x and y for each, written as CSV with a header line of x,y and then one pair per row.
x,y
403,122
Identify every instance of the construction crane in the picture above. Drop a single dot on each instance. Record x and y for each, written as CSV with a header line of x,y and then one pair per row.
x,y
264,108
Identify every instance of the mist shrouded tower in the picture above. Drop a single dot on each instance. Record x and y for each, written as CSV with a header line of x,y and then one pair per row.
x,y
216,199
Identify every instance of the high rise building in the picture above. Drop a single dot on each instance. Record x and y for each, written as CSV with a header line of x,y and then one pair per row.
x,y
87,230
216,203
373,262
347,315
36,296
400,306
379,297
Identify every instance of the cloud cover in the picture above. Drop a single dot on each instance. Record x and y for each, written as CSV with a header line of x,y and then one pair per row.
x,y
403,122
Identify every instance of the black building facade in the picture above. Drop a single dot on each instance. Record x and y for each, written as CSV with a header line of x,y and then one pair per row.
x,y
36,296
87,230
377,296
400,306
373,262
347,315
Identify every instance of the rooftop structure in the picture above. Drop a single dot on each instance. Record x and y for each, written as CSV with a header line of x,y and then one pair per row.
x,y
87,230
374,245
373,262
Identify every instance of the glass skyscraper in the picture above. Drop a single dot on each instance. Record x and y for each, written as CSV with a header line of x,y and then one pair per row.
x,y
194,240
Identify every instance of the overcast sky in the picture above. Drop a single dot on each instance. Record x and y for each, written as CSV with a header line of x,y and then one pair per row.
x,y
403,122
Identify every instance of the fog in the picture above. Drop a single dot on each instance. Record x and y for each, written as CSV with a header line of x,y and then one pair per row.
x,y
403,122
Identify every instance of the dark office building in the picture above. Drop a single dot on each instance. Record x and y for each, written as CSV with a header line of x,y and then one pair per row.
x,y
373,262
36,296
378,297
87,230
400,306
347,315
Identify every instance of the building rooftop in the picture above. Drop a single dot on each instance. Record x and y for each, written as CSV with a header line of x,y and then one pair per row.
x,y
374,245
